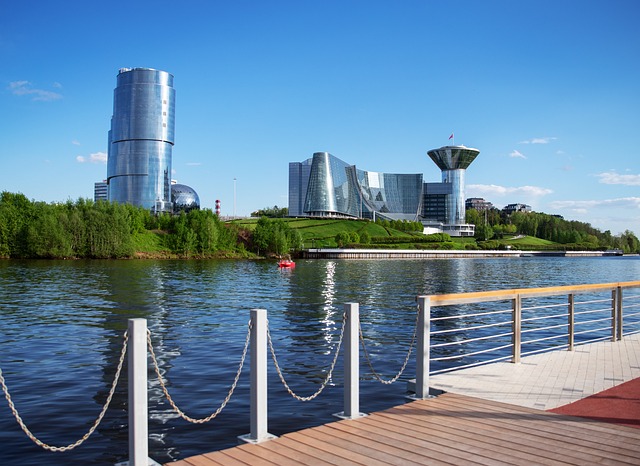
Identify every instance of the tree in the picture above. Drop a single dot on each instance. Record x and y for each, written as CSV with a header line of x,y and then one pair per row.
x,y
271,212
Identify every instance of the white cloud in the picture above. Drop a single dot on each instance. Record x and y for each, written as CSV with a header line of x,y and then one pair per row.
x,y
585,206
616,178
495,190
194,164
545,140
75,142
517,154
25,88
96,157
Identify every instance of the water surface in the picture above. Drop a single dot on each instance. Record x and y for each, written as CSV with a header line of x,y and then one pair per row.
x,y
61,327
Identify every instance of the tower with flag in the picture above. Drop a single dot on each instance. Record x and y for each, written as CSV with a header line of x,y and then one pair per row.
x,y
445,202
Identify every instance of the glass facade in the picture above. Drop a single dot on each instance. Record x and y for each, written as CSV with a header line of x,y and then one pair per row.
x,y
141,139
454,204
100,191
331,191
298,184
184,198
453,161
435,202
387,193
325,186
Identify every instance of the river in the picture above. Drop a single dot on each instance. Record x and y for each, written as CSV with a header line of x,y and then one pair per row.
x,y
62,322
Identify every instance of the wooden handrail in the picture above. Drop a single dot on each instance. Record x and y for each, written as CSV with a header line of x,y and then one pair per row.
x,y
498,295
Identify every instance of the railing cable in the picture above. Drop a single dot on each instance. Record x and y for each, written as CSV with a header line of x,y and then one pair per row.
x,y
181,413
95,425
326,379
406,360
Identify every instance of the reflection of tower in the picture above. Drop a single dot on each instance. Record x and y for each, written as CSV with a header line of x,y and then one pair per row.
x,y
141,139
453,161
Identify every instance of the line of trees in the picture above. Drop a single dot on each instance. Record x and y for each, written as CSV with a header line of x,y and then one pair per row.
x,y
101,230
494,224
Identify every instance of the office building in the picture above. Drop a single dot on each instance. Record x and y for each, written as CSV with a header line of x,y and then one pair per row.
x,y
512,208
299,173
141,139
325,186
100,191
478,204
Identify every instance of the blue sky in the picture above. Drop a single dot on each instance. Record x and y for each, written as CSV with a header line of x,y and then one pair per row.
x,y
548,91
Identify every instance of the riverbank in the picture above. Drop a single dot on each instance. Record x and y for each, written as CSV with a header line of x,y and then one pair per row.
x,y
442,254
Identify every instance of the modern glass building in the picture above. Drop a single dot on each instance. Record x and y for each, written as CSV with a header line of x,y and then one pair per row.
x,y
184,198
141,139
449,198
325,186
298,183
100,191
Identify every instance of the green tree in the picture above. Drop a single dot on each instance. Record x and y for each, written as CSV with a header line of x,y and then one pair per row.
x,y
342,238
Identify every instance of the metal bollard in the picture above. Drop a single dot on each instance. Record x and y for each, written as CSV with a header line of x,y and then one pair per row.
x,y
137,396
351,363
422,349
258,379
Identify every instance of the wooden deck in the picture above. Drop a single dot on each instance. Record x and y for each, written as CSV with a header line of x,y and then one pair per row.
x,y
450,429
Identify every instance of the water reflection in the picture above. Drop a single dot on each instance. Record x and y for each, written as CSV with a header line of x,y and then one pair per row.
x,y
61,326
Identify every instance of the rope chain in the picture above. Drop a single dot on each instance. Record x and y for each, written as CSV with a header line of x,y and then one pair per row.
x,y
406,360
71,446
225,401
329,374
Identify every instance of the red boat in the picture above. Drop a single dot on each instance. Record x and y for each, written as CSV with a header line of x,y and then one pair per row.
x,y
286,264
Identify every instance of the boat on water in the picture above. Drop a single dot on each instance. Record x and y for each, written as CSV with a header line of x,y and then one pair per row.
x,y
286,264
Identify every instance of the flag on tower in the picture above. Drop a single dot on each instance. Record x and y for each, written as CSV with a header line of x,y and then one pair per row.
x,y
451,137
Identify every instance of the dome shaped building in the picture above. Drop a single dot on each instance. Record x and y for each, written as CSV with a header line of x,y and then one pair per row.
x,y
184,198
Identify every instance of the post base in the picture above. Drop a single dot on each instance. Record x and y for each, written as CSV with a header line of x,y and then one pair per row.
x,y
150,463
248,439
341,415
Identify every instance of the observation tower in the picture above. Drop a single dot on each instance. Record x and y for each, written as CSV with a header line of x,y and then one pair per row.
x,y
454,161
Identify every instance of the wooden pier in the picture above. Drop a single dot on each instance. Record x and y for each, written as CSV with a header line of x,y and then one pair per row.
x,y
448,429
492,414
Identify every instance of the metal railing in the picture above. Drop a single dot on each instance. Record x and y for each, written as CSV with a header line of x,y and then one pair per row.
x,y
541,319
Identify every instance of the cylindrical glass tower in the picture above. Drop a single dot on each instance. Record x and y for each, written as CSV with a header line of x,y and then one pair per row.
x,y
141,139
453,161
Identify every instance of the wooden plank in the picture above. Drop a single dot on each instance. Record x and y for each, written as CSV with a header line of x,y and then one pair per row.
x,y
456,433
279,452
375,447
500,295
543,428
248,456
450,429
346,455
601,431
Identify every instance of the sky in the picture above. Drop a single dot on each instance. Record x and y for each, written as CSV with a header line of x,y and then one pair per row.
x,y
548,91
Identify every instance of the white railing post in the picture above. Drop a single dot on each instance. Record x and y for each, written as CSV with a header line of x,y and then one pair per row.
x,y
138,396
516,338
620,317
571,321
351,363
614,314
258,387
422,348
